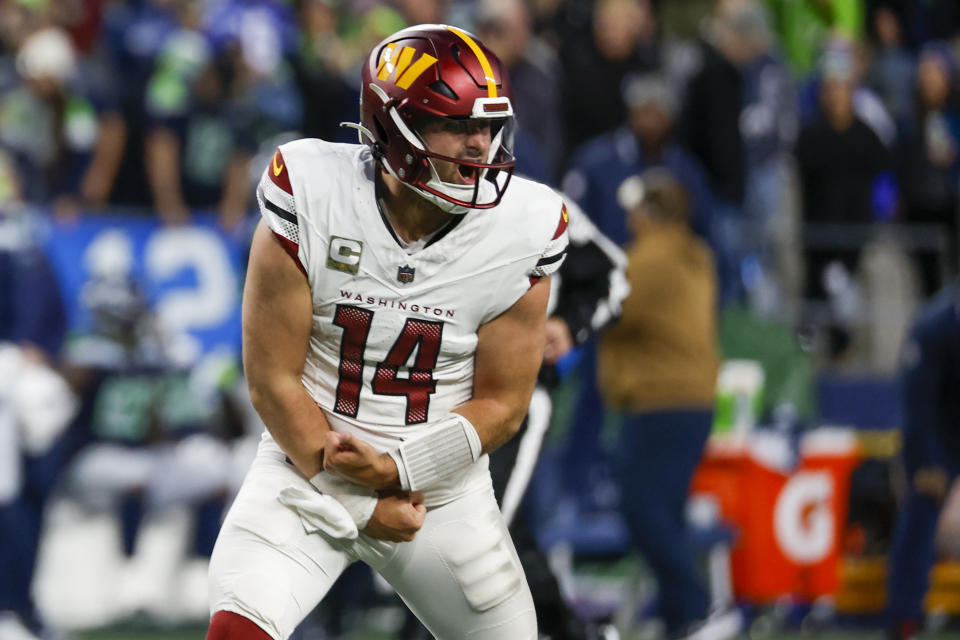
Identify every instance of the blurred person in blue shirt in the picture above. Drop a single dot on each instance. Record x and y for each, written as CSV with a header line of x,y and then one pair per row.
x,y
929,379
644,140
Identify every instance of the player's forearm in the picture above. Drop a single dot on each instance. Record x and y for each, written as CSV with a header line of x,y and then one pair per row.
x,y
495,420
293,419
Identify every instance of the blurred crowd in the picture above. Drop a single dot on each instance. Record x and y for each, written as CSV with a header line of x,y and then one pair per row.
x,y
818,142
818,138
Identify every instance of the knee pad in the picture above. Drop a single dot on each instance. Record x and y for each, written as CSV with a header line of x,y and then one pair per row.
x,y
227,625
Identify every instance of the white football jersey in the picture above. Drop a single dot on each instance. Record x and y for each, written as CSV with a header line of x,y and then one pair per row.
x,y
395,330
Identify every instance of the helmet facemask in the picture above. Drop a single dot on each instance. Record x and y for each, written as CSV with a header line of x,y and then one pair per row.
x,y
449,177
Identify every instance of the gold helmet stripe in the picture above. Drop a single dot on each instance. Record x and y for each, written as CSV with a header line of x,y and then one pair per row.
x,y
484,63
382,71
424,62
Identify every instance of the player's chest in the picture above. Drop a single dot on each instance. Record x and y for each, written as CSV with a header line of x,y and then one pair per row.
x,y
393,304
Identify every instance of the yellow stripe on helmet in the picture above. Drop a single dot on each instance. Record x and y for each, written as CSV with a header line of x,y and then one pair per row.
x,y
484,63
382,71
406,56
424,62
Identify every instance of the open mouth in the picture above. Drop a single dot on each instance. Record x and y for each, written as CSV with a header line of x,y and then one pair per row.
x,y
468,175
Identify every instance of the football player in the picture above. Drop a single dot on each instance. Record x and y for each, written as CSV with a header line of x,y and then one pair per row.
x,y
393,328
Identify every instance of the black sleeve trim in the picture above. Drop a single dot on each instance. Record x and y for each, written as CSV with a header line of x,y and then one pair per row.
x,y
280,211
551,259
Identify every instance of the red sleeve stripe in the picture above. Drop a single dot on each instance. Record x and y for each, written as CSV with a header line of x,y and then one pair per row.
x,y
278,172
562,226
292,249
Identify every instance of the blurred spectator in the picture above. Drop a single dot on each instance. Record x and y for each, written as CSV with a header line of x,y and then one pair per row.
x,y
504,25
930,375
928,158
209,113
67,139
133,36
768,126
555,21
31,309
839,159
643,140
621,41
710,126
320,65
842,57
710,121
891,72
658,366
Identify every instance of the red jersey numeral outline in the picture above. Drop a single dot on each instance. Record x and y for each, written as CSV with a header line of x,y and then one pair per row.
x,y
424,336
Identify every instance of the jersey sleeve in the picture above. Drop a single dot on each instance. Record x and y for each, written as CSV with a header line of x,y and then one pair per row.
x,y
278,209
593,281
555,249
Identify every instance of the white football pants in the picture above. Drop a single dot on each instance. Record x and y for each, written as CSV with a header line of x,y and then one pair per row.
x,y
460,575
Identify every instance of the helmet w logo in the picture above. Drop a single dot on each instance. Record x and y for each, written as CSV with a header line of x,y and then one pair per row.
x,y
398,65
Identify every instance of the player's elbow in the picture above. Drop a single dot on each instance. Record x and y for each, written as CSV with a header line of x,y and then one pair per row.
x,y
513,421
266,392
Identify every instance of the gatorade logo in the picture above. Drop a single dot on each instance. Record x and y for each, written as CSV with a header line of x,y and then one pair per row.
x,y
803,522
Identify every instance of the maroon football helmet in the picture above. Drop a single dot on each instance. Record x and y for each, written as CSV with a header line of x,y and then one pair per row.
x,y
430,72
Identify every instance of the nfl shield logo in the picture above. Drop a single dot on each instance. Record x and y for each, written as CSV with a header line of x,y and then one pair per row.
x,y
405,274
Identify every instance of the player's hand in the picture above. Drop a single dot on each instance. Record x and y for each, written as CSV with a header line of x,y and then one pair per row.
x,y
933,482
559,340
355,460
397,517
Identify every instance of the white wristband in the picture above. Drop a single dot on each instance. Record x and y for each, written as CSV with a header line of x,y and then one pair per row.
x,y
358,501
447,447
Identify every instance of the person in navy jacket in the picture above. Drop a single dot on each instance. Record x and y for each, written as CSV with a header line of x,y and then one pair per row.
x,y
930,377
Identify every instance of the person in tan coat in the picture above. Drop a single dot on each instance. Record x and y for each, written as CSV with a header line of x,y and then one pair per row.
x,y
658,367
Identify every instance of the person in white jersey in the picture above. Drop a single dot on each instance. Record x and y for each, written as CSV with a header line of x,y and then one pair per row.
x,y
393,326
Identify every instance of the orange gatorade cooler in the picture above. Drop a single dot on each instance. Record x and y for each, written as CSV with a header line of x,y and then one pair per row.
x,y
788,517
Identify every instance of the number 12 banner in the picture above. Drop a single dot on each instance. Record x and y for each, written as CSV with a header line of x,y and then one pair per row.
x,y
191,276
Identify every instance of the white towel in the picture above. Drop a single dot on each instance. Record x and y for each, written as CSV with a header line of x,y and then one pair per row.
x,y
320,513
